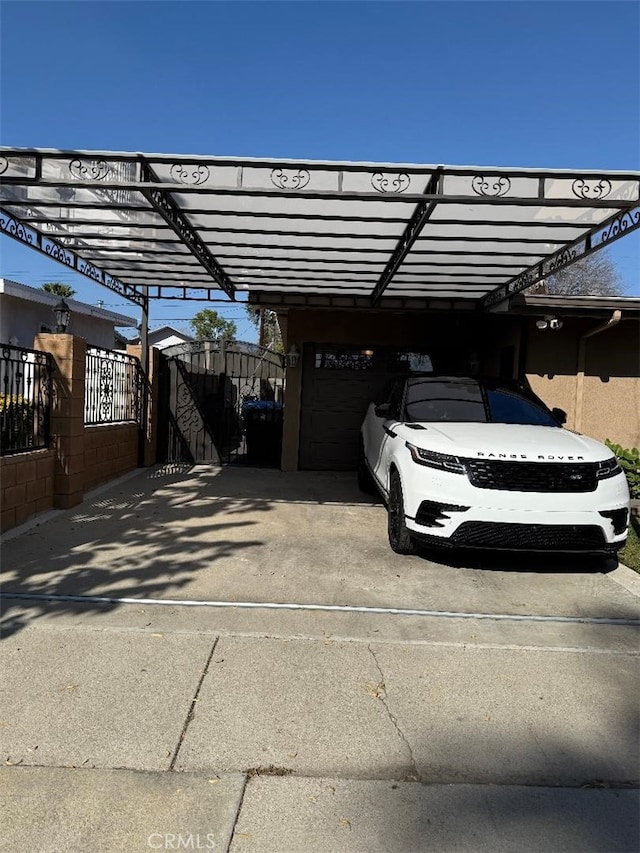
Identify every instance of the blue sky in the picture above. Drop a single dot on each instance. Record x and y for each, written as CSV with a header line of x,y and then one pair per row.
x,y
539,84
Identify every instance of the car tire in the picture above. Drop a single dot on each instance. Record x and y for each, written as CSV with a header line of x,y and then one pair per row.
x,y
365,478
399,537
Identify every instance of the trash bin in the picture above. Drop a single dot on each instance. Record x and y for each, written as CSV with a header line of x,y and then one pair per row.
x,y
263,431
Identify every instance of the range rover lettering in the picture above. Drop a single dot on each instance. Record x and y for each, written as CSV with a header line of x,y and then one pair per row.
x,y
481,463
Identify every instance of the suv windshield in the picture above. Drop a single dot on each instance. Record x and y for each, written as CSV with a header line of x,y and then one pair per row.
x,y
469,401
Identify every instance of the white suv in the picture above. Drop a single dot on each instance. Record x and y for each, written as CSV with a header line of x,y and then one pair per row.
x,y
485,464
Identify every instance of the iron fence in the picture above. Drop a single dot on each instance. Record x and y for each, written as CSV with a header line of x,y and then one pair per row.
x,y
114,387
25,399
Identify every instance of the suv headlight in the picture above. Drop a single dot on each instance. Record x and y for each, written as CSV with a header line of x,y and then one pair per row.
x,y
608,468
441,461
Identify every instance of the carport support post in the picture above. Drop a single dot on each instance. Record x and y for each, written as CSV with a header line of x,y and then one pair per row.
x,y
149,421
67,414
291,424
144,334
145,414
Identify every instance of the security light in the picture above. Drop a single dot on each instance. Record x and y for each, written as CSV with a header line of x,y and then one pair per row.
x,y
293,356
549,323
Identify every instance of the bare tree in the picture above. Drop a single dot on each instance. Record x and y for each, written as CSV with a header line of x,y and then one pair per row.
x,y
595,275
268,326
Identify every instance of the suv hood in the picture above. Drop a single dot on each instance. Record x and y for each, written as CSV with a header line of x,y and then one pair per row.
x,y
504,441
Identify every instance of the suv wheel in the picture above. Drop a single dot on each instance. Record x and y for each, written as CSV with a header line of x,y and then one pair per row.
x,y
399,538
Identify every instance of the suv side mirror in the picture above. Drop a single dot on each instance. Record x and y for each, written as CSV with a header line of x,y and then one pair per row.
x,y
382,410
560,415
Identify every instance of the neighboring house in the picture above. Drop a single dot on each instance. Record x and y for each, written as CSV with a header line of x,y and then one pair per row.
x,y
122,341
26,311
165,336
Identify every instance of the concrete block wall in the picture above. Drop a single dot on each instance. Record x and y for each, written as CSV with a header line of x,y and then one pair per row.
x,y
110,450
26,486
80,457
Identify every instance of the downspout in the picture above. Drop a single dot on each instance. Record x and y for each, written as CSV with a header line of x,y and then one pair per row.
x,y
582,357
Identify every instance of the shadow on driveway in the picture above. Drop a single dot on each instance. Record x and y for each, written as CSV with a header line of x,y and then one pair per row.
x,y
256,535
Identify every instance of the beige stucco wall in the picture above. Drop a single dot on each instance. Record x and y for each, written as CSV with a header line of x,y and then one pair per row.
x,y
611,392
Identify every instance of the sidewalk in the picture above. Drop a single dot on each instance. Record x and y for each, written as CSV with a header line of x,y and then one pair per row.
x,y
112,810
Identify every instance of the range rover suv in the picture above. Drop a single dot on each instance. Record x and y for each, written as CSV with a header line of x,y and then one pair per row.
x,y
485,464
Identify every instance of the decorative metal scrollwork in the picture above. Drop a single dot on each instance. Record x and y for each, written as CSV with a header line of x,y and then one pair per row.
x,y
290,180
186,414
16,229
89,170
193,175
625,222
560,260
4,165
526,279
89,270
491,185
384,182
591,189
105,385
58,253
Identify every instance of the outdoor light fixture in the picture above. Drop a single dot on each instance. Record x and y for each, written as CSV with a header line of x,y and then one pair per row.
x,y
293,356
549,323
63,313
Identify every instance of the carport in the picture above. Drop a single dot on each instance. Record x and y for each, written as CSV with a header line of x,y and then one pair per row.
x,y
369,266
192,661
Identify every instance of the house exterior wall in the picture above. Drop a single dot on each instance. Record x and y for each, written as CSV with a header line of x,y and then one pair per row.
x,y
548,359
611,393
22,319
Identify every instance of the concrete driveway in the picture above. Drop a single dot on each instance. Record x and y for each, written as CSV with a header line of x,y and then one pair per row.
x,y
501,712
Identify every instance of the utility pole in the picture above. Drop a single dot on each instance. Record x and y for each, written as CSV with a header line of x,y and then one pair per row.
x,y
261,332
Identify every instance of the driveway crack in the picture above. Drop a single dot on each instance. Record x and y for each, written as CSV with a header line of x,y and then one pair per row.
x,y
192,707
382,696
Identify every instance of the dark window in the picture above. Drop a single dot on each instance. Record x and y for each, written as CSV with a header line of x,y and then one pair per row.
x,y
445,400
469,401
344,358
506,407
395,400
413,362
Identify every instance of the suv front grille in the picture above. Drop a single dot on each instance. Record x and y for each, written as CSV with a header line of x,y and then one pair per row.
x,y
532,476
536,537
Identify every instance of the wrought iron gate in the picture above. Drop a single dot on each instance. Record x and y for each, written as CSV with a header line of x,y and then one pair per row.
x,y
220,402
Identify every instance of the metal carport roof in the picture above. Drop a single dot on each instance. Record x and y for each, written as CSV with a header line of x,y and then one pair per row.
x,y
159,226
